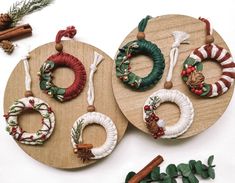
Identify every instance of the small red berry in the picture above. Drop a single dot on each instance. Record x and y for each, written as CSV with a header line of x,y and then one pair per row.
x,y
188,70
146,107
31,101
183,72
129,55
193,90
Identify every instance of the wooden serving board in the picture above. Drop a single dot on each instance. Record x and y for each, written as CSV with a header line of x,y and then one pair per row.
x,y
57,151
159,31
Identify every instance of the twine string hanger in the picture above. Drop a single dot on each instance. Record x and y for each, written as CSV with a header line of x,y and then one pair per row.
x,y
93,67
180,38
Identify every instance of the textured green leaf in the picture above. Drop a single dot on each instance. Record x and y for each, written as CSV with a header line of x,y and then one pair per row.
x,y
185,180
199,66
167,179
207,89
192,165
43,85
193,179
184,169
205,174
60,91
190,61
155,174
185,78
198,167
210,160
163,175
211,172
129,176
171,170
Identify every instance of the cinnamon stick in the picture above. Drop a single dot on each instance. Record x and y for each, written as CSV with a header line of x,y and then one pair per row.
x,y
16,32
146,170
84,146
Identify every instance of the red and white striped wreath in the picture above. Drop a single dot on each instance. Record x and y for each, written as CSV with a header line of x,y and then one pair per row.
x,y
194,78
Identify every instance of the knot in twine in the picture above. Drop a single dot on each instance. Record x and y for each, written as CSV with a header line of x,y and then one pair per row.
x,y
93,67
179,37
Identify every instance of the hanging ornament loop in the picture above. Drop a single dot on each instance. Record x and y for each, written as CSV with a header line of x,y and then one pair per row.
x,y
180,38
209,31
70,32
90,93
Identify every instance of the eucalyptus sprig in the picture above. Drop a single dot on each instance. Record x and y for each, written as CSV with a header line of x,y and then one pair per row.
x,y
21,8
186,171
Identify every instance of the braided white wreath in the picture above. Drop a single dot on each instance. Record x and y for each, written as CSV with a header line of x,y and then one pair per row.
x,y
86,151
48,121
157,126
100,119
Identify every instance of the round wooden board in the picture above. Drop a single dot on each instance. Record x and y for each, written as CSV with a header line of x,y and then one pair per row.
x,y
57,151
159,31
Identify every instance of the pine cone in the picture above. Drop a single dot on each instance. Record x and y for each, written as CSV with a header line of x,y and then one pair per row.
x,y
5,21
7,46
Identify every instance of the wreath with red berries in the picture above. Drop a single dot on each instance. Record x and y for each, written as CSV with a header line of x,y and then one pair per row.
x,y
133,49
192,67
48,121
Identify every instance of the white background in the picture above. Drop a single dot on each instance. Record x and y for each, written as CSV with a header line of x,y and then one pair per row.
x,y
105,24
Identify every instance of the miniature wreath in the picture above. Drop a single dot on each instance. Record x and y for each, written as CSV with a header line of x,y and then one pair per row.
x,y
156,126
86,151
192,68
46,78
62,59
98,152
133,49
48,121
192,71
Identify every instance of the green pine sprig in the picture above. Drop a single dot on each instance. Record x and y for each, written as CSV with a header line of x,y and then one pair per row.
x,y
187,172
76,132
21,8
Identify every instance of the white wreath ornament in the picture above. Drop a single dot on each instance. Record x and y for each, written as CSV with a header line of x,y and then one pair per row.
x,y
185,106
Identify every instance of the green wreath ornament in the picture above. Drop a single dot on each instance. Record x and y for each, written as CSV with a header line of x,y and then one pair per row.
x,y
133,49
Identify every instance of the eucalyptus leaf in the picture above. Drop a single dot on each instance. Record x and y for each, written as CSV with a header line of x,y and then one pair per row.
x,y
185,180
210,160
192,178
171,170
129,176
198,167
184,169
211,172
155,174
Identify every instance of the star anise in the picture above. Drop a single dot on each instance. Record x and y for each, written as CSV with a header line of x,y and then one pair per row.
x,y
84,152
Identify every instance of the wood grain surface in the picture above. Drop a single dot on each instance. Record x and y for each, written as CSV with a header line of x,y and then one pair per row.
x,y
57,151
159,31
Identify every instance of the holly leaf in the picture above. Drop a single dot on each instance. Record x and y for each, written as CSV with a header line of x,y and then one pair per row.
x,y
190,61
171,170
211,172
199,66
43,85
210,160
129,176
60,91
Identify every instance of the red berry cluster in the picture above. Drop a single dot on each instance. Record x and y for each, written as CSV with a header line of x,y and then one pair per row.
x,y
159,133
153,118
197,90
187,72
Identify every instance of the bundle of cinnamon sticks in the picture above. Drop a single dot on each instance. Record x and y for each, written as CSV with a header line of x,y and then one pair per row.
x,y
16,32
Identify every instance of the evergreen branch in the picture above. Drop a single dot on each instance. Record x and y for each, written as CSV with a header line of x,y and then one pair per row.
x,y
76,132
19,9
